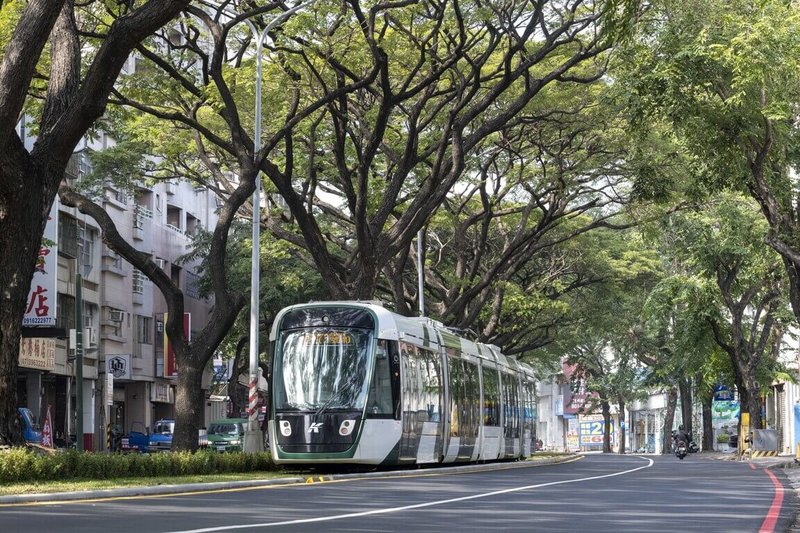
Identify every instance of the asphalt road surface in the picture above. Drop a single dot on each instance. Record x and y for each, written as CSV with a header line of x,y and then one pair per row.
x,y
597,493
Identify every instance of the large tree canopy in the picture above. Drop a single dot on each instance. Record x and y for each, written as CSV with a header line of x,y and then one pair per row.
x,y
726,76
375,112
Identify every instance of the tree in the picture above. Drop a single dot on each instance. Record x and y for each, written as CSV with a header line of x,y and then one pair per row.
x,y
85,56
507,247
740,286
356,149
725,75
602,340
382,111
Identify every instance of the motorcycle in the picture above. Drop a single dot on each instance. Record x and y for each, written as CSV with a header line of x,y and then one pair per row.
x,y
681,449
693,447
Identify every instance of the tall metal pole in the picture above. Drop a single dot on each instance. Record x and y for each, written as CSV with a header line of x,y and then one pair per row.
x,y
252,441
79,359
420,275
253,438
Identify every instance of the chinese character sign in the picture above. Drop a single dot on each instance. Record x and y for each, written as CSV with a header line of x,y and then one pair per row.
x,y
40,309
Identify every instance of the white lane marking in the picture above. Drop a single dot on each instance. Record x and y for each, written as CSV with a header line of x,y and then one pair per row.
x,y
415,506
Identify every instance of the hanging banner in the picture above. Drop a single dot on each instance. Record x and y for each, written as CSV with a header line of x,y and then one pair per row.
x,y
47,430
109,389
40,308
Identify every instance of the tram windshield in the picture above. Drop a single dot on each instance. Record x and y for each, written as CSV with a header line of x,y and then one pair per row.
x,y
322,368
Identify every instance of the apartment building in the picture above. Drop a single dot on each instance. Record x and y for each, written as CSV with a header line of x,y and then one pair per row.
x,y
123,313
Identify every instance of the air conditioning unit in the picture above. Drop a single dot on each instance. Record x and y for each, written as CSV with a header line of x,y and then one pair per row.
x,y
115,315
161,263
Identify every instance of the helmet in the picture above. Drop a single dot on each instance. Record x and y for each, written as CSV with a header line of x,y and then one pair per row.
x,y
680,428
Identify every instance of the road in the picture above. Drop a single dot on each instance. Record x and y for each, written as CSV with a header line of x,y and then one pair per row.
x,y
598,493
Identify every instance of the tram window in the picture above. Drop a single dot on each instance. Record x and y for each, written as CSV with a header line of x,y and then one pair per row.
x,y
471,419
491,398
510,405
432,384
457,395
379,403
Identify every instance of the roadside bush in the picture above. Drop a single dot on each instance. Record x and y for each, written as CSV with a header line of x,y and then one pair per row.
x,y
23,465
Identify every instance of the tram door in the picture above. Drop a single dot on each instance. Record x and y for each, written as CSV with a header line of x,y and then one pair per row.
x,y
464,407
422,401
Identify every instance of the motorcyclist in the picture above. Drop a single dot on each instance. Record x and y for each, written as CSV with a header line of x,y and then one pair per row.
x,y
681,436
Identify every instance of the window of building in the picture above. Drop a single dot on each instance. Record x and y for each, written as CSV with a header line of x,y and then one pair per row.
x,y
89,310
67,236
87,237
85,166
118,195
144,329
138,281
65,312
192,285
175,218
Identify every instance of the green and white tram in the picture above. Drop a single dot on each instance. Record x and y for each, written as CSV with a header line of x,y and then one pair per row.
x,y
352,382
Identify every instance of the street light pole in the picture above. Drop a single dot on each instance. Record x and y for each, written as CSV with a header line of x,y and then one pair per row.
x,y
253,438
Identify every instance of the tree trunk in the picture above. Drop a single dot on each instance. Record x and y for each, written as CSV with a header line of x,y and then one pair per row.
x,y
189,408
21,229
708,426
606,426
753,403
621,420
669,420
685,388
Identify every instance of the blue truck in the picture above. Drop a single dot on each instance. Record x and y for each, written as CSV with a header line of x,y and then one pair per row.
x,y
141,439
30,429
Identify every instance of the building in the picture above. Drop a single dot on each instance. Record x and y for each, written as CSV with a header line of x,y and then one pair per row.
x,y
123,314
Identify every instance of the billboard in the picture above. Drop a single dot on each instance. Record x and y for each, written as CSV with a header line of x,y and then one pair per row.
x,y
591,432
40,308
37,353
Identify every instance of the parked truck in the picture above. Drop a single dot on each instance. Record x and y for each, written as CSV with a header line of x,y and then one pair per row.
x,y
143,440
30,429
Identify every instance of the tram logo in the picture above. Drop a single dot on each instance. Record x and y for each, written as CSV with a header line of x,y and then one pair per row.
x,y
314,428
286,428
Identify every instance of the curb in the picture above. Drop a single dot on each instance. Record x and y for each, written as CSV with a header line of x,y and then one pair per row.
x,y
130,492
143,491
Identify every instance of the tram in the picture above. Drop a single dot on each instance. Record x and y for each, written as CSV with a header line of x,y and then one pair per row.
x,y
352,382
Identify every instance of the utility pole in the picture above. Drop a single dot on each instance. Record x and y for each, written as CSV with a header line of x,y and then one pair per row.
x,y
79,359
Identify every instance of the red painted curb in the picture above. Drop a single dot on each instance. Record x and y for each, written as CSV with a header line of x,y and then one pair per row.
x,y
768,526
